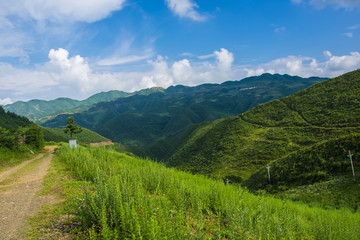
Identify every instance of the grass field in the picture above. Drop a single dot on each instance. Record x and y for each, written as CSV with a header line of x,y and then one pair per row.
x,y
131,198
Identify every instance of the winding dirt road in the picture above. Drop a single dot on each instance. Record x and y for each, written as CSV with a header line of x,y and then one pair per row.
x,y
19,188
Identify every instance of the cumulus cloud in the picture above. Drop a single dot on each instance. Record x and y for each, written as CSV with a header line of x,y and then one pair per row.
x,y
72,76
186,73
308,66
225,59
185,9
74,70
347,4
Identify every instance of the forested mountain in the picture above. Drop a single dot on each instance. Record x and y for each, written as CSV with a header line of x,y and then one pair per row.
x,y
303,138
156,120
11,120
41,110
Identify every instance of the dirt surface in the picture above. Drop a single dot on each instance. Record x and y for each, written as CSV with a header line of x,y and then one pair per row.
x,y
19,199
104,143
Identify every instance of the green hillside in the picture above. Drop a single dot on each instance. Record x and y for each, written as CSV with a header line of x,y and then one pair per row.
x,y
86,136
41,110
11,120
295,130
19,138
154,122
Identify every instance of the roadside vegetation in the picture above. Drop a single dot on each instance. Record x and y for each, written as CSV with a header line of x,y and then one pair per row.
x,y
131,198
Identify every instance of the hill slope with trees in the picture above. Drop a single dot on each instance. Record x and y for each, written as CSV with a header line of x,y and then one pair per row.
x,y
40,110
303,138
155,121
11,120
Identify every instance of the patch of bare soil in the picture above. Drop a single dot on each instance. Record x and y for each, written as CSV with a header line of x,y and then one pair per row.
x,y
20,200
104,143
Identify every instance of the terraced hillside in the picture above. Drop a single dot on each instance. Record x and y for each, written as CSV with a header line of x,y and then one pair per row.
x,y
313,128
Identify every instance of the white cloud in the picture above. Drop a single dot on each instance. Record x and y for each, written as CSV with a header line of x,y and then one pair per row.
x,y
23,81
122,60
74,70
61,11
348,34
6,101
347,4
354,27
12,43
207,56
279,29
225,59
185,9
63,76
184,72
27,25
308,66
72,76
338,64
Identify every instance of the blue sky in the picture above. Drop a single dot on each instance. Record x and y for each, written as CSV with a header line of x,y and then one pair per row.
x,y
75,48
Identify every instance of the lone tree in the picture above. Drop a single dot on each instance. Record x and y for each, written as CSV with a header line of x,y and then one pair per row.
x,y
71,127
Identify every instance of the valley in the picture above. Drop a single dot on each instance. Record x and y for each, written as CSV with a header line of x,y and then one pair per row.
x,y
282,158
180,120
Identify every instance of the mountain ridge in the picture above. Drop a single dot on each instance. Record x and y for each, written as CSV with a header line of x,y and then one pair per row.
x,y
42,110
152,120
237,147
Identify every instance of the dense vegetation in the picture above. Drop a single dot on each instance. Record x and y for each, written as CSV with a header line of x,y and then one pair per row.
x,y
11,120
311,164
138,199
155,122
86,136
18,137
306,136
41,110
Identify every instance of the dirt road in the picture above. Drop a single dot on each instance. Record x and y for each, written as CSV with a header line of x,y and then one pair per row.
x,y
19,187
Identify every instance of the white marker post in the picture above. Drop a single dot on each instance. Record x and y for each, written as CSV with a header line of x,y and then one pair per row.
x,y
72,144
268,170
352,165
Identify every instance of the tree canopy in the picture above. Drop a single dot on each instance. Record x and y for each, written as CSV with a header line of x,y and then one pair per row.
x,y
72,128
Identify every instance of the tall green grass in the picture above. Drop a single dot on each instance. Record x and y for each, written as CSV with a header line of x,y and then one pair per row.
x,y
139,199
10,157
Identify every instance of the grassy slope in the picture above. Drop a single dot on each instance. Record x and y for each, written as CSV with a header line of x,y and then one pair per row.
x,y
140,199
58,135
237,147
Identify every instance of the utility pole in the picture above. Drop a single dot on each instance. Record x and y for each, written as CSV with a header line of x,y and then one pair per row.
x,y
268,170
352,165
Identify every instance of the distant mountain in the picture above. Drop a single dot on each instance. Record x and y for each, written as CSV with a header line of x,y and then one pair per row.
x,y
11,120
303,138
155,121
41,110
